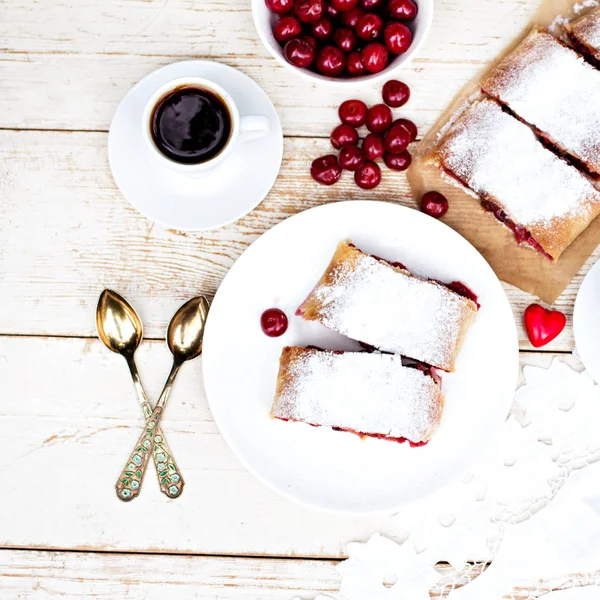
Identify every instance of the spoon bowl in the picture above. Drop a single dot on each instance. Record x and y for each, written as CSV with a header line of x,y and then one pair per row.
x,y
186,329
119,326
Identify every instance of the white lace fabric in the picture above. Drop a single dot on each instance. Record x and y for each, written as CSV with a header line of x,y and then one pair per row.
x,y
529,512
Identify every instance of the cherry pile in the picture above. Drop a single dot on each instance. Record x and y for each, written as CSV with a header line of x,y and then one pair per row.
x,y
387,139
343,37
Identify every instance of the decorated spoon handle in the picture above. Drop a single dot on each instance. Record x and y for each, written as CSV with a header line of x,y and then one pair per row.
x,y
129,484
169,477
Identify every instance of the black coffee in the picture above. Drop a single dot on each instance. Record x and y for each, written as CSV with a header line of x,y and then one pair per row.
x,y
190,125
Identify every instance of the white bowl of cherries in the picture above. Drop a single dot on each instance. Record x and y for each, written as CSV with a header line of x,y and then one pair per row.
x,y
342,41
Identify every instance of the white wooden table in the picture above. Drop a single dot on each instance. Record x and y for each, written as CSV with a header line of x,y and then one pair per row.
x,y
67,409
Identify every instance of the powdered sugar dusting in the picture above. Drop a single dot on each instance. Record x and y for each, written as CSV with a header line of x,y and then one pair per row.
x,y
558,24
368,393
583,5
370,301
552,88
453,181
586,32
464,105
501,158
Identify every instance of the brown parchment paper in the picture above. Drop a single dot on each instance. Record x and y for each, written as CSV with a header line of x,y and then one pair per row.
x,y
517,265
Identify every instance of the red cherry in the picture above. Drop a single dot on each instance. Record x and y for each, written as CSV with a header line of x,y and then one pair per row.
x,y
397,139
398,38
330,61
397,162
395,93
379,118
326,170
372,4
350,18
322,29
369,27
274,322
351,157
412,128
344,5
355,66
373,146
345,39
309,11
343,134
434,204
368,176
299,52
287,28
279,6
353,113
542,325
375,57
403,10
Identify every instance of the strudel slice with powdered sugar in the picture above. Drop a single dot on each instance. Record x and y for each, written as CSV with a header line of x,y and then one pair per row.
x,y
551,87
383,305
544,200
585,33
372,395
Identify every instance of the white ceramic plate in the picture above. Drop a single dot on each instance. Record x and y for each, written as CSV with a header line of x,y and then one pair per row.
x,y
586,322
318,466
215,198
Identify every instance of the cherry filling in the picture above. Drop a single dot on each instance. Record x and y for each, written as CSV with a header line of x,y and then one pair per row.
x,y
381,436
548,142
521,233
378,436
396,264
586,52
458,287
462,290
410,363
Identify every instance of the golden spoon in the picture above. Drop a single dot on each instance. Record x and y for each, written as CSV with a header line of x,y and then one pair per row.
x,y
184,338
120,328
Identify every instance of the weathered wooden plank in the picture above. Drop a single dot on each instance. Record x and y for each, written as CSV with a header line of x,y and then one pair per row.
x,y
30,575
68,417
67,233
86,89
67,64
221,28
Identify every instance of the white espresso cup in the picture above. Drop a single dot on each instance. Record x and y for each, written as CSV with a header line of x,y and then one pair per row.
x,y
243,128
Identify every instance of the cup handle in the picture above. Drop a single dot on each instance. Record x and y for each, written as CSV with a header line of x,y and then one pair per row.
x,y
253,127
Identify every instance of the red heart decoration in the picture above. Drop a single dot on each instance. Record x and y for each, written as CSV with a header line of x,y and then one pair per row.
x,y
542,325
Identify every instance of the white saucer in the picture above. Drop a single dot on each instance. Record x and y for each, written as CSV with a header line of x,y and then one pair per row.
x,y
316,465
586,322
215,198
